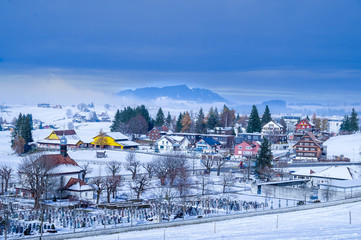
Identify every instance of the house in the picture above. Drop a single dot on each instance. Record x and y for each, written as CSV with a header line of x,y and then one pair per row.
x,y
291,122
304,126
113,140
208,145
157,132
246,149
53,140
66,175
334,126
170,143
308,148
252,137
339,189
44,105
271,128
195,137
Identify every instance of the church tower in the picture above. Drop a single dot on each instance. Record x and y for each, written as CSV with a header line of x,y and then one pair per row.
x,y
63,146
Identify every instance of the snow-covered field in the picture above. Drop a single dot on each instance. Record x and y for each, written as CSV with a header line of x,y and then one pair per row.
x,y
323,223
347,145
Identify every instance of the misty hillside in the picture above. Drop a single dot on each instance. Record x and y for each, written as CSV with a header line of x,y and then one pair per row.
x,y
180,92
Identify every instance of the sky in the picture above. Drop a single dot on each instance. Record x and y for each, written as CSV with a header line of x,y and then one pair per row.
x,y
247,51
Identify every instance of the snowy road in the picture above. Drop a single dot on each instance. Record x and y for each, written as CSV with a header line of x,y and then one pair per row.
x,y
323,223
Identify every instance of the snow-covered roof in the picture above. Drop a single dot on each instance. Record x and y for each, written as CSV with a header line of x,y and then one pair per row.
x,y
128,143
344,183
117,136
66,168
75,184
48,141
337,172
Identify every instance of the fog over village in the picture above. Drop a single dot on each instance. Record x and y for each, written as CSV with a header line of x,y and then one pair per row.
x,y
180,120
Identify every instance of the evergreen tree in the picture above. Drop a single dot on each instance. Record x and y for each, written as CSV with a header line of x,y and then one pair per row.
x,y
211,119
254,123
266,117
354,127
116,121
22,136
168,120
179,126
264,158
284,125
345,126
159,120
200,124
216,115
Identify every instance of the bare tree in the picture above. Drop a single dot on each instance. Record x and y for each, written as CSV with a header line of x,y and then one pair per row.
x,y
113,168
132,164
35,174
98,182
266,173
138,125
327,192
207,162
139,184
6,174
161,171
183,182
227,181
165,195
219,162
100,140
203,181
149,167
281,168
86,169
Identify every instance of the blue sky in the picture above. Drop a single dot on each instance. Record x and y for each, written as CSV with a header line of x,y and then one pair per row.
x,y
255,50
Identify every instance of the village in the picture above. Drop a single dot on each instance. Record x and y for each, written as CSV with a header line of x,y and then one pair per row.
x,y
121,168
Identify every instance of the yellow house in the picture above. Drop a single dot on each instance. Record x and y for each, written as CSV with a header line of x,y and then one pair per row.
x,y
113,140
53,140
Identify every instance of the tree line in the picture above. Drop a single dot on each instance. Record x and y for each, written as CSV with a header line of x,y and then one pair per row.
x,y
22,136
350,123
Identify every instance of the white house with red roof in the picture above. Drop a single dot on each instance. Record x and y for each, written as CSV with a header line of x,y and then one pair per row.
x,y
304,125
66,176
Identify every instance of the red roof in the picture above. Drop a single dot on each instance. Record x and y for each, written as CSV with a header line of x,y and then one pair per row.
x,y
55,160
73,181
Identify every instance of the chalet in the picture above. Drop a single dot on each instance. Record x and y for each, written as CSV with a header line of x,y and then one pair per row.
x,y
271,128
246,149
304,126
53,140
157,132
170,143
308,148
66,175
208,145
113,140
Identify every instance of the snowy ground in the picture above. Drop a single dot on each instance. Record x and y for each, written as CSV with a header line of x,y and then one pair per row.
x,y
323,223
347,145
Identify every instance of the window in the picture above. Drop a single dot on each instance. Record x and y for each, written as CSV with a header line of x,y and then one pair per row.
x,y
248,148
239,147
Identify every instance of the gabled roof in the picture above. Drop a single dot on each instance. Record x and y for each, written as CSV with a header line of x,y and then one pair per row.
x,y
76,184
252,144
275,123
55,160
64,132
337,172
313,138
307,121
115,135
211,141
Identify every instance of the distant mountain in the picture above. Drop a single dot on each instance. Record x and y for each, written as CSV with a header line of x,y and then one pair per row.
x,y
180,92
